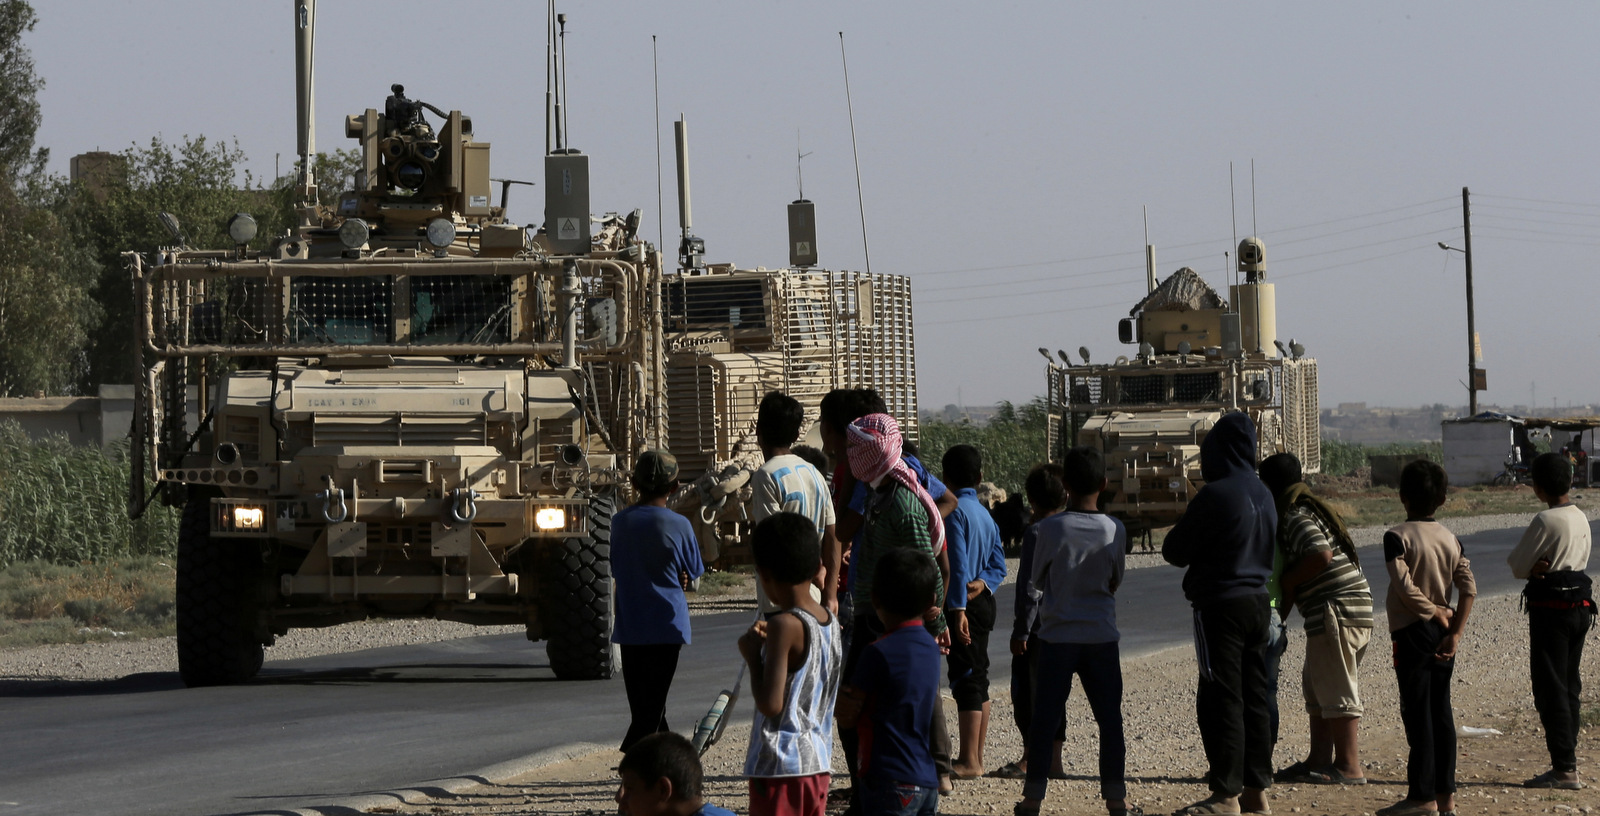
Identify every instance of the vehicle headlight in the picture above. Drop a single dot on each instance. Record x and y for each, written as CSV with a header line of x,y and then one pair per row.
x,y
242,228
550,518
249,518
441,233
353,233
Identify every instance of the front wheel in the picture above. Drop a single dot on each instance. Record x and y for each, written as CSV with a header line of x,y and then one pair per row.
x,y
217,641
577,600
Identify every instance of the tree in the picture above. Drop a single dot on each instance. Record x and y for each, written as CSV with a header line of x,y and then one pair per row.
x,y
46,310
1011,443
19,92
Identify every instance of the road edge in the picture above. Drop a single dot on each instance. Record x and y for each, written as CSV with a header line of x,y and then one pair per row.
x,y
429,791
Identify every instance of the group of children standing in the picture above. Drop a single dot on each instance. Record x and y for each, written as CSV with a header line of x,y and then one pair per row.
x,y
868,578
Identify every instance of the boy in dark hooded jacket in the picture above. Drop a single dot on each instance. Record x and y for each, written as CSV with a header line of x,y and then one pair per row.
x,y
1226,541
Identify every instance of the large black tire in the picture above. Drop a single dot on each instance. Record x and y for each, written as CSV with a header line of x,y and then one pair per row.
x,y
217,640
577,600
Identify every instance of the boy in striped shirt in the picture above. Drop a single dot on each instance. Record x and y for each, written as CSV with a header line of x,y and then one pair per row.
x,y
1322,578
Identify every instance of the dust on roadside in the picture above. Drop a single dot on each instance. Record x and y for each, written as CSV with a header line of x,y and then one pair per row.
x,y
1165,761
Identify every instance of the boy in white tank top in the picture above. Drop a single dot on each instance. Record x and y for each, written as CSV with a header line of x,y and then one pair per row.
x,y
794,657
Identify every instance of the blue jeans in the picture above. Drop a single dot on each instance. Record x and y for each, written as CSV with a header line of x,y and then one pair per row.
x,y
1277,644
881,798
1099,666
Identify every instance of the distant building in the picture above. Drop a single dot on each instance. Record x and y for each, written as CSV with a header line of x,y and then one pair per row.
x,y
99,171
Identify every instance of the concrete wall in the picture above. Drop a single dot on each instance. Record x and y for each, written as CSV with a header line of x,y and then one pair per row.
x,y
1475,451
100,420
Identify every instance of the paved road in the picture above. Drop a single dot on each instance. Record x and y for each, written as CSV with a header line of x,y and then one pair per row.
x,y
310,731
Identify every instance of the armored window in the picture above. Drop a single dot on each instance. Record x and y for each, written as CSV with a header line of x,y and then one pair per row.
x,y
343,311
1143,389
1197,387
470,309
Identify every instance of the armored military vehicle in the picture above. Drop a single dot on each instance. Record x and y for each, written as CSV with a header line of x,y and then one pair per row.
x,y
414,408
1199,356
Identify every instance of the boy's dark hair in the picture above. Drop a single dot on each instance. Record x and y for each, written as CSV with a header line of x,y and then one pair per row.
x,y
1045,487
813,457
786,546
871,402
906,583
1422,486
1552,473
909,448
842,406
778,420
1083,470
963,466
1279,472
666,755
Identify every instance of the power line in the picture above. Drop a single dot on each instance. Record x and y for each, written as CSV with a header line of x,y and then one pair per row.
x,y
989,284
1031,294
1354,262
1190,244
1014,315
1544,221
1541,201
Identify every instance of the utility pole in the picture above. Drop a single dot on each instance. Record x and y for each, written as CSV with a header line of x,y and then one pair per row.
x,y
1476,379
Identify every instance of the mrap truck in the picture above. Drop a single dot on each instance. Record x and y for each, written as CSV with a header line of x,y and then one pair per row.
x,y
411,406
1198,356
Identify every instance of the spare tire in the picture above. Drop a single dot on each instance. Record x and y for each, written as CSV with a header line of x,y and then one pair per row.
x,y
577,600
216,602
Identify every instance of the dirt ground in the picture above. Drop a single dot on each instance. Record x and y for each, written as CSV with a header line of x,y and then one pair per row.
x,y
1165,762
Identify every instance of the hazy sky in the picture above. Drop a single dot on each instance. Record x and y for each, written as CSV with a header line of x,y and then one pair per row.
x,y
1006,151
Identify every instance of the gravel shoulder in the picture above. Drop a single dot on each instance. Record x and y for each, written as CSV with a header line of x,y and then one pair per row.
x,y
1165,760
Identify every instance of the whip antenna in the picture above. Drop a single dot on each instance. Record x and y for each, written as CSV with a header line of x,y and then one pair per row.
x,y
849,106
549,76
1253,230
661,221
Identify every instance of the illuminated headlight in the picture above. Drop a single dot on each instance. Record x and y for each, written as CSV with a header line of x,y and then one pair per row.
x,y
353,233
550,518
441,232
249,518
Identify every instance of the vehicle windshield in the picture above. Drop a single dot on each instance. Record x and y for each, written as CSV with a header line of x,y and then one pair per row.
x,y
444,309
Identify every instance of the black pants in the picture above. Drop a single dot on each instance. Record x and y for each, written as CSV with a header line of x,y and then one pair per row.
x,y
1022,691
647,671
969,663
1099,667
1425,710
1235,725
1555,650
865,630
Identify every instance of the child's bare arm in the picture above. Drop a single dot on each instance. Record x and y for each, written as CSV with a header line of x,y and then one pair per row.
x,y
769,674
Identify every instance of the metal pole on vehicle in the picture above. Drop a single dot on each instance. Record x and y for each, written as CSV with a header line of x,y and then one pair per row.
x,y
571,291
1472,333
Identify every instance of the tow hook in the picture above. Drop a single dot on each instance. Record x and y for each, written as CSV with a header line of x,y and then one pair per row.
x,y
462,507
332,499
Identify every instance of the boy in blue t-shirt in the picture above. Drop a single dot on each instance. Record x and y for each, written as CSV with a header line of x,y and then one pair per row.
x,y
890,697
661,776
654,556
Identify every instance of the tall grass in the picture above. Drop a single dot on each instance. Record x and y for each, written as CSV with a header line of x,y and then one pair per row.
x,y
66,504
1343,458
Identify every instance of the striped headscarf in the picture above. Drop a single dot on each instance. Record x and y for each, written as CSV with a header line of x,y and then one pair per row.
x,y
874,450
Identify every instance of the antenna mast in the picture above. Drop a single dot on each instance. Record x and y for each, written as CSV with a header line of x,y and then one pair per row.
x,y
661,221
564,136
1149,256
549,77
799,175
1253,230
305,39
849,106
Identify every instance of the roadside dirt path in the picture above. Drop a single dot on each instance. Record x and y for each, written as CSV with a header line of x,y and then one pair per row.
x,y
1165,761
